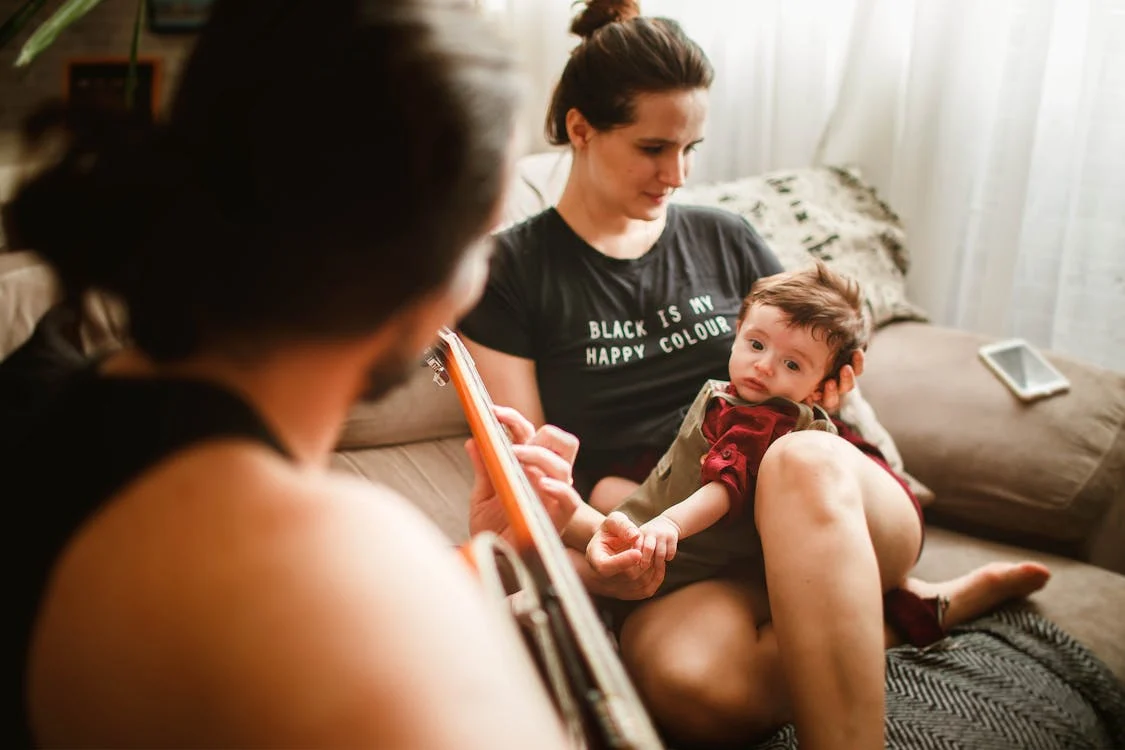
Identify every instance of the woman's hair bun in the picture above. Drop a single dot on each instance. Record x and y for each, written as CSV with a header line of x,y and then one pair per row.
x,y
599,13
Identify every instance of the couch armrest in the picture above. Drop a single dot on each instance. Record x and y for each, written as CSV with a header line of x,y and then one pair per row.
x,y
1049,474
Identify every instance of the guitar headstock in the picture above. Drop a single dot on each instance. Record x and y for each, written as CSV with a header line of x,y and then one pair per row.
x,y
437,356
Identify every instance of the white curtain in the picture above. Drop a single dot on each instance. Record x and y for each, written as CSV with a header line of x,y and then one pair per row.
x,y
996,129
999,135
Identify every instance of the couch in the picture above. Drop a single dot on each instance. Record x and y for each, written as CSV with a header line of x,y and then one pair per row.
x,y
1009,481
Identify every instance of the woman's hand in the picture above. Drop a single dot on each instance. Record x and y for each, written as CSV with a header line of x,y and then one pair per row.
x,y
834,389
547,456
614,562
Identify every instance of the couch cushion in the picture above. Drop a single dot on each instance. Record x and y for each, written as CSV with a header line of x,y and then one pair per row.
x,y
1047,470
435,475
538,182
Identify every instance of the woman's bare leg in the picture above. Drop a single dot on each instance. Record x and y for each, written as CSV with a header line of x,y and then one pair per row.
x,y
712,678
609,492
837,531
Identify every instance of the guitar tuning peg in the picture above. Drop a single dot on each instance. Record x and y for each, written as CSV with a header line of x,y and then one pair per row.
x,y
435,362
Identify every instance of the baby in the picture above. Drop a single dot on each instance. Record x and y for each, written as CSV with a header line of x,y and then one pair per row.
x,y
795,331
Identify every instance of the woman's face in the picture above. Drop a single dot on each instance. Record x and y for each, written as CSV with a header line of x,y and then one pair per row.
x,y
634,169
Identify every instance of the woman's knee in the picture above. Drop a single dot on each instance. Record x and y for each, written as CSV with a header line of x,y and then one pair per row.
x,y
610,492
811,473
697,700
814,480
715,679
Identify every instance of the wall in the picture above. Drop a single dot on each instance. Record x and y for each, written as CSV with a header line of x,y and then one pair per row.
x,y
106,31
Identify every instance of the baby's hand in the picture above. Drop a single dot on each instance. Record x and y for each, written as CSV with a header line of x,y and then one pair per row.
x,y
659,539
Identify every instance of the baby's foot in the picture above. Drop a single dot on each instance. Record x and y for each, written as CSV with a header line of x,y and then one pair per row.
x,y
983,589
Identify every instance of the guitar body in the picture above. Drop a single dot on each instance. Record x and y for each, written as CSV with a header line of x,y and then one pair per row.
x,y
535,579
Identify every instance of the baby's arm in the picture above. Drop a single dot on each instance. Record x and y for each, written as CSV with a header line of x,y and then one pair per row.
x,y
660,537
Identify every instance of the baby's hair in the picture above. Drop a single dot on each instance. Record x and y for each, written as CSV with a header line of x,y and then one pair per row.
x,y
820,300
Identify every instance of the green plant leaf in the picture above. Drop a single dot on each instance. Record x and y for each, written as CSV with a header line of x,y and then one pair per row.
x,y
15,23
131,76
68,13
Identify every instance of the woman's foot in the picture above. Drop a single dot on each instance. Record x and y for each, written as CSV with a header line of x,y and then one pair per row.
x,y
981,590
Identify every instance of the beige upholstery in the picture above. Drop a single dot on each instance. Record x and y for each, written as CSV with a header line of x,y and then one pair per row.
x,y
435,474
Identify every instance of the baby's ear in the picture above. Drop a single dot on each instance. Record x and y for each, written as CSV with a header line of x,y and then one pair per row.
x,y
816,398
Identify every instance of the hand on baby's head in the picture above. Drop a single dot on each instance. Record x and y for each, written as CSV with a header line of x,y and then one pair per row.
x,y
832,389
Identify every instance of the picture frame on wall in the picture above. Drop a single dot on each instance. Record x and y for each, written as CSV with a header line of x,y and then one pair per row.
x,y
177,16
100,82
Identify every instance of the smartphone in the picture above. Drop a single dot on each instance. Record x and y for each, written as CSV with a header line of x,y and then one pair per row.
x,y
1022,368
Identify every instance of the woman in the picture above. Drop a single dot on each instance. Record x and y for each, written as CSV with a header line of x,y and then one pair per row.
x,y
604,315
196,577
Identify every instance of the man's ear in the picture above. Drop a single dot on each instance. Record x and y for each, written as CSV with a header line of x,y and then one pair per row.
x,y
578,128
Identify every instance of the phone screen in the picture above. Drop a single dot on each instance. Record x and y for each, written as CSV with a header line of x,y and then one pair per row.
x,y
1027,370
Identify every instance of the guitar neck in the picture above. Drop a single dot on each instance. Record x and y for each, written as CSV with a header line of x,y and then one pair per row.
x,y
537,539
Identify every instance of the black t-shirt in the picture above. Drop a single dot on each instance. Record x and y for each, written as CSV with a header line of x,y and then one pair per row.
x,y
621,346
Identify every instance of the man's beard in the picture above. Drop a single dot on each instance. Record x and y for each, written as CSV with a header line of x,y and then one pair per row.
x,y
394,369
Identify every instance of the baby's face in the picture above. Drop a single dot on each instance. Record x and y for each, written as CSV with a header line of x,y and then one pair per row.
x,y
770,357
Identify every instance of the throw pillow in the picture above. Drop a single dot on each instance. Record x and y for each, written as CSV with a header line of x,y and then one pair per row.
x,y
826,213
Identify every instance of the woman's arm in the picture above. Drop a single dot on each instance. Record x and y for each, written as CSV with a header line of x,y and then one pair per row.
x,y
510,380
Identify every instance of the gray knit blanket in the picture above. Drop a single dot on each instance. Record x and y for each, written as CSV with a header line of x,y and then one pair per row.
x,y
1010,680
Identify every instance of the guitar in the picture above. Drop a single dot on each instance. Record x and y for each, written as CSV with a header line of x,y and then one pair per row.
x,y
593,694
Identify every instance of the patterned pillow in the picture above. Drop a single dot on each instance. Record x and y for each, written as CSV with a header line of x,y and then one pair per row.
x,y
827,213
